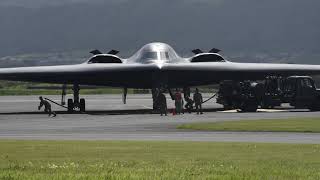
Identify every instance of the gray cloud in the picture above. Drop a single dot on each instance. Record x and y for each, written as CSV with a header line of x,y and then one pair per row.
x,y
242,25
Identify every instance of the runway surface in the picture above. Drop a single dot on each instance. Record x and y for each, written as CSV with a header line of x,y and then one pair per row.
x,y
20,119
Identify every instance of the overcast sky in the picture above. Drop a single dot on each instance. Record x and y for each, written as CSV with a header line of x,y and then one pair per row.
x,y
232,25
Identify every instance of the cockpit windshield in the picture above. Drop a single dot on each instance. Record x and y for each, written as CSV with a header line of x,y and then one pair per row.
x,y
154,53
164,55
149,56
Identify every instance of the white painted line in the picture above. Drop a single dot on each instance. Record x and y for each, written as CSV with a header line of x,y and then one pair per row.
x,y
229,111
272,110
146,107
259,110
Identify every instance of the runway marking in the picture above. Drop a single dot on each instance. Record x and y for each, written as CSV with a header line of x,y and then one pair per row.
x,y
259,110
146,107
272,110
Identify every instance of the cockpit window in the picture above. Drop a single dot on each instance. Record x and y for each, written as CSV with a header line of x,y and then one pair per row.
x,y
149,56
164,55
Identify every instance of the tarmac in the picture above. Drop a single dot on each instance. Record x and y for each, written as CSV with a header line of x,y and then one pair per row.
x,y
109,119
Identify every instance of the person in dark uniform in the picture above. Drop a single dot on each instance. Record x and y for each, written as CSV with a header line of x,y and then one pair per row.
x,y
47,107
178,102
189,104
197,97
162,102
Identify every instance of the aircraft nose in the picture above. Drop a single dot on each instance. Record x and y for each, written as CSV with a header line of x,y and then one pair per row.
x,y
159,64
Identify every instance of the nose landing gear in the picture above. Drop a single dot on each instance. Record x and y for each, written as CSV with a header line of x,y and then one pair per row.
x,y
76,103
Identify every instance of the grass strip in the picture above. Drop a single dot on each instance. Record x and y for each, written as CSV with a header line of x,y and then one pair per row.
x,y
156,160
311,125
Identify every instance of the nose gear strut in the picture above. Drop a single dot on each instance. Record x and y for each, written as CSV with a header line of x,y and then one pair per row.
x,y
76,103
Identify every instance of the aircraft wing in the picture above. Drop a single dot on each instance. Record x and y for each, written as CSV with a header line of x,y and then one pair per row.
x,y
118,75
214,72
146,75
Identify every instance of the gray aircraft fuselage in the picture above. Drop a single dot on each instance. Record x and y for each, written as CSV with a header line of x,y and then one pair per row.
x,y
154,65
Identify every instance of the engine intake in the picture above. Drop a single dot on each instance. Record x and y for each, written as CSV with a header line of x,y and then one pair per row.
x,y
106,58
207,57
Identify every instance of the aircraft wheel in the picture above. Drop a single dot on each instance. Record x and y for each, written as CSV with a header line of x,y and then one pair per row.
x,y
264,104
70,105
252,109
249,108
82,105
314,108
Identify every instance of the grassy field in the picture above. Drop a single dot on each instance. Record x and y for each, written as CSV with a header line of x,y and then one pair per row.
x,y
10,88
270,125
156,160
25,91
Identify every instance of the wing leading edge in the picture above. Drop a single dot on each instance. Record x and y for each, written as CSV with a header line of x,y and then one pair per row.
x,y
146,75
118,75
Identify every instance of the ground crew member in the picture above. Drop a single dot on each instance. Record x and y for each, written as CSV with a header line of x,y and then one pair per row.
x,y
178,102
162,103
189,104
197,97
47,107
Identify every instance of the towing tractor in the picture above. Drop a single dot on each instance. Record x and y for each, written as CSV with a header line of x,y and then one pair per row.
x,y
299,91
239,95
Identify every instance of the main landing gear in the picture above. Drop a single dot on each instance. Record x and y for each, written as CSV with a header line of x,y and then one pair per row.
x,y
76,103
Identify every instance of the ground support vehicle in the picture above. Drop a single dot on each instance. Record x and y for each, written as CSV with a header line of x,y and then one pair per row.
x,y
299,91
